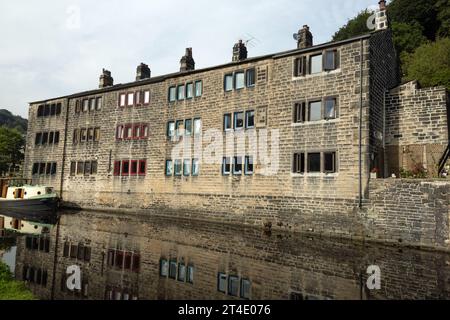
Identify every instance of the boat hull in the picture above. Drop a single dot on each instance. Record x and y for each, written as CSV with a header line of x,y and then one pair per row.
x,y
42,210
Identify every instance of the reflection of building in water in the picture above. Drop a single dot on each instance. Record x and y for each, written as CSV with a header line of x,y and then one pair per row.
x,y
129,258
22,226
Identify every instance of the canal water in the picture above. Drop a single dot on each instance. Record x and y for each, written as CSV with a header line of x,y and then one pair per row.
x,y
124,257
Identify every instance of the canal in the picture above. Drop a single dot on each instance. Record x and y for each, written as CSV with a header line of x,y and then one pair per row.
x,y
125,257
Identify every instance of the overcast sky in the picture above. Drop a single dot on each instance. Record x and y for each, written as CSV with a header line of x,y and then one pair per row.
x,y
53,48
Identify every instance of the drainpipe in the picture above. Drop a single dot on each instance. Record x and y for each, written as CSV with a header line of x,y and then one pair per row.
x,y
360,121
64,148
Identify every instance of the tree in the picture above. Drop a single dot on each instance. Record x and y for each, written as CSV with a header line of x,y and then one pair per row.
x,y
430,64
12,144
354,27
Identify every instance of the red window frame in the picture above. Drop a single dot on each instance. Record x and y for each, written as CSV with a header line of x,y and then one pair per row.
x,y
138,98
121,127
117,167
123,165
143,135
135,135
133,172
143,97
120,99
128,94
140,172
125,133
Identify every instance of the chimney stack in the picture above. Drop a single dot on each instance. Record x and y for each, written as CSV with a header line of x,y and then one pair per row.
x,y
105,79
187,62
142,72
239,51
381,19
304,38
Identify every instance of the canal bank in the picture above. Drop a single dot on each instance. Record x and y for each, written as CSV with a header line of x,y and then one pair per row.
x,y
410,212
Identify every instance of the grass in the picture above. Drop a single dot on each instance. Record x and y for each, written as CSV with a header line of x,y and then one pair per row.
x,y
11,289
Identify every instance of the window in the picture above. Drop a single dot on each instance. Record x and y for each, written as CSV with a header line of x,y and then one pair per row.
x,y
178,167
173,269
137,131
169,169
117,165
91,104
125,167
80,167
313,162
195,167
56,138
35,169
188,127
248,165
300,67
96,134
83,135
233,285
189,91
316,64
58,108
40,111
46,110
179,128
128,133
299,163
222,282
250,78
170,129
48,168
226,166
228,82
227,122
73,168
180,92
87,168
76,136
329,165
90,134
51,137
250,119
187,167
315,111
163,268
197,126
122,100
239,80
198,88
119,132
53,109
237,165
238,120
138,98
330,62
146,97
77,106
130,99
38,138
181,272
330,108
172,94
45,138
94,167
42,168
133,167
142,167
144,131
98,104
85,105
300,112
190,274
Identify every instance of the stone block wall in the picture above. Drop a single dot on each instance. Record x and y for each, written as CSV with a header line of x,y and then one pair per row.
x,y
417,127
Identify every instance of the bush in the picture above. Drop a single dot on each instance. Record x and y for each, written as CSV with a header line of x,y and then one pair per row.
x,y
11,289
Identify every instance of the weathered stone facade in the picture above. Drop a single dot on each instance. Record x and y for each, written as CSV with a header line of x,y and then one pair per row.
x,y
306,267
417,127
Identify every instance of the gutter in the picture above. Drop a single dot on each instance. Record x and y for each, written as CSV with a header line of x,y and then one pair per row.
x,y
64,149
360,121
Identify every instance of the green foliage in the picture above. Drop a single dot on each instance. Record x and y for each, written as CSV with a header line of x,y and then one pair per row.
x,y
11,289
443,16
12,144
430,64
354,27
407,37
418,172
7,119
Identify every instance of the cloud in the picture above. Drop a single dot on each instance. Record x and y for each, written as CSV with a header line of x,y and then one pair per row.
x,y
54,48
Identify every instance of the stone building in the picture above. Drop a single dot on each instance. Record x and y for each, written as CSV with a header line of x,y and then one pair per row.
x,y
283,140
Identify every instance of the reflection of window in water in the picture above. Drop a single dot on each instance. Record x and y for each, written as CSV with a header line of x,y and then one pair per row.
x,y
233,285
181,271
9,258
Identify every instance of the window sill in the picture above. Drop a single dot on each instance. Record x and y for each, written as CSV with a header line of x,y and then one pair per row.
x,y
314,175
315,75
309,123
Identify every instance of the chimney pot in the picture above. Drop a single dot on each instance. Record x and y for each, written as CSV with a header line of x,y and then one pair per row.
x,y
305,38
382,4
105,79
187,62
142,72
239,51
